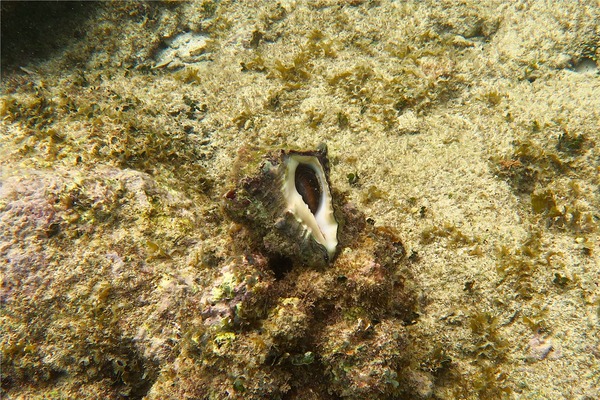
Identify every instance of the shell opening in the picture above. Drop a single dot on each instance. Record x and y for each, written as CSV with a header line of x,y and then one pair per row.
x,y
309,199
308,186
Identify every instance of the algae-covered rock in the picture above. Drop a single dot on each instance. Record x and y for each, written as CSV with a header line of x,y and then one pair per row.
x,y
269,332
75,281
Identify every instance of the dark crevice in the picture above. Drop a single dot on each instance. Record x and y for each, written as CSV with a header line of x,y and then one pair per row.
x,y
33,30
280,265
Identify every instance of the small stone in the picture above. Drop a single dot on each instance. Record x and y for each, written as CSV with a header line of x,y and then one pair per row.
x,y
541,348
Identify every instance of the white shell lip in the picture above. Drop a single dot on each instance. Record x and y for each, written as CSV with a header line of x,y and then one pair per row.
x,y
321,225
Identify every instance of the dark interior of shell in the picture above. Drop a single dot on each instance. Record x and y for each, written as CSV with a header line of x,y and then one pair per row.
x,y
307,185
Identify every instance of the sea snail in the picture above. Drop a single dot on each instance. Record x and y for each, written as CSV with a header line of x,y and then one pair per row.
x,y
288,207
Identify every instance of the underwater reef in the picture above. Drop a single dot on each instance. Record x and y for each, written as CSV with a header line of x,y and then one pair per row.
x,y
332,199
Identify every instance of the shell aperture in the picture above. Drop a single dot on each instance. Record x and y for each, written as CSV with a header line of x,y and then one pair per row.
x,y
307,185
309,200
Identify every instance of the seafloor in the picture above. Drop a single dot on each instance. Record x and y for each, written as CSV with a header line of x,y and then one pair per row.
x,y
470,129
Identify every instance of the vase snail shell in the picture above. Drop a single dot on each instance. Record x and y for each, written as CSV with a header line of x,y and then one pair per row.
x,y
288,206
